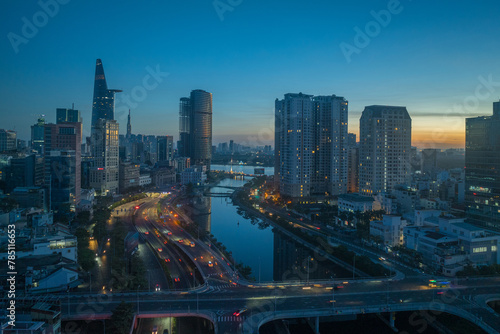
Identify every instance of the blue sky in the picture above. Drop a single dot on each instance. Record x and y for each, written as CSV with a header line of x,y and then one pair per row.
x,y
430,57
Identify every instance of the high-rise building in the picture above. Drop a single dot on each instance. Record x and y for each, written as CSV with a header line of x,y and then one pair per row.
x,y
37,135
184,127
311,151
8,140
103,105
62,155
353,164
105,152
429,161
294,125
385,145
482,172
165,148
195,127
68,115
129,126
330,145
24,172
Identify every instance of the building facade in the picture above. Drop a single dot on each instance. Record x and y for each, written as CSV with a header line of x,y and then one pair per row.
x,y
195,127
482,173
385,145
62,158
104,174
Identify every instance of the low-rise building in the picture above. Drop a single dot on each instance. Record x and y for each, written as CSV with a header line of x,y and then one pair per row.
x,y
194,175
390,230
448,244
355,203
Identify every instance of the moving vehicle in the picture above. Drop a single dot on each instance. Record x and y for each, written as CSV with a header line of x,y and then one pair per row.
x,y
191,244
210,264
438,284
239,312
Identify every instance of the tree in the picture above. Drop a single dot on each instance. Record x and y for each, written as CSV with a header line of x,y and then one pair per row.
x,y
122,317
86,258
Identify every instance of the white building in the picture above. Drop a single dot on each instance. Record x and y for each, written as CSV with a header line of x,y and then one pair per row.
x,y
449,244
64,245
390,230
145,180
385,144
355,203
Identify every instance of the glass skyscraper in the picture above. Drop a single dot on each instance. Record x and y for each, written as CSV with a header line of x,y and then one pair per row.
x,y
103,105
482,162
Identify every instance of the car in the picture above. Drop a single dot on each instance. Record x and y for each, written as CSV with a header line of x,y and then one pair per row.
x,y
180,241
169,233
167,260
177,279
155,330
382,258
160,249
165,331
239,312
146,232
191,244
210,264
157,288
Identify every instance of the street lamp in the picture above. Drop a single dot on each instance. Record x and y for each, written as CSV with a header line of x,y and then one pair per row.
x,y
138,298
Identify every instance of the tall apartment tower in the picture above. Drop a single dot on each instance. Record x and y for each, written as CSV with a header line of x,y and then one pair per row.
x,y
353,164
294,128
103,105
62,159
330,145
482,173
105,152
195,127
385,145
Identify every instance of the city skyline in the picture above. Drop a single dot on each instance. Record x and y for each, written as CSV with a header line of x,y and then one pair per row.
x,y
430,66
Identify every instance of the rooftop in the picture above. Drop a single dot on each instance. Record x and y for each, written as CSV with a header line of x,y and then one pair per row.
x,y
469,227
356,198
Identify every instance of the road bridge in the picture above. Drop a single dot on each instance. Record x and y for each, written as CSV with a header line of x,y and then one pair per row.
x,y
468,300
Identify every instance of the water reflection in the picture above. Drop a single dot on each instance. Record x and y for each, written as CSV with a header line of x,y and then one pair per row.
x,y
271,254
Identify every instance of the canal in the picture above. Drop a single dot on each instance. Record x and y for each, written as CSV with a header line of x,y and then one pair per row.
x,y
272,255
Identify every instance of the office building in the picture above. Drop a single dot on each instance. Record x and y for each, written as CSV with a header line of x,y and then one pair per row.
x,y
105,151
62,158
482,173
429,161
128,176
129,127
184,127
385,145
103,106
165,148
24,172
37,135
8,140
68,115
195,127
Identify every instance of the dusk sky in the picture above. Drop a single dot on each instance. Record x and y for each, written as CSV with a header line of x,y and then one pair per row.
x,y
430,57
